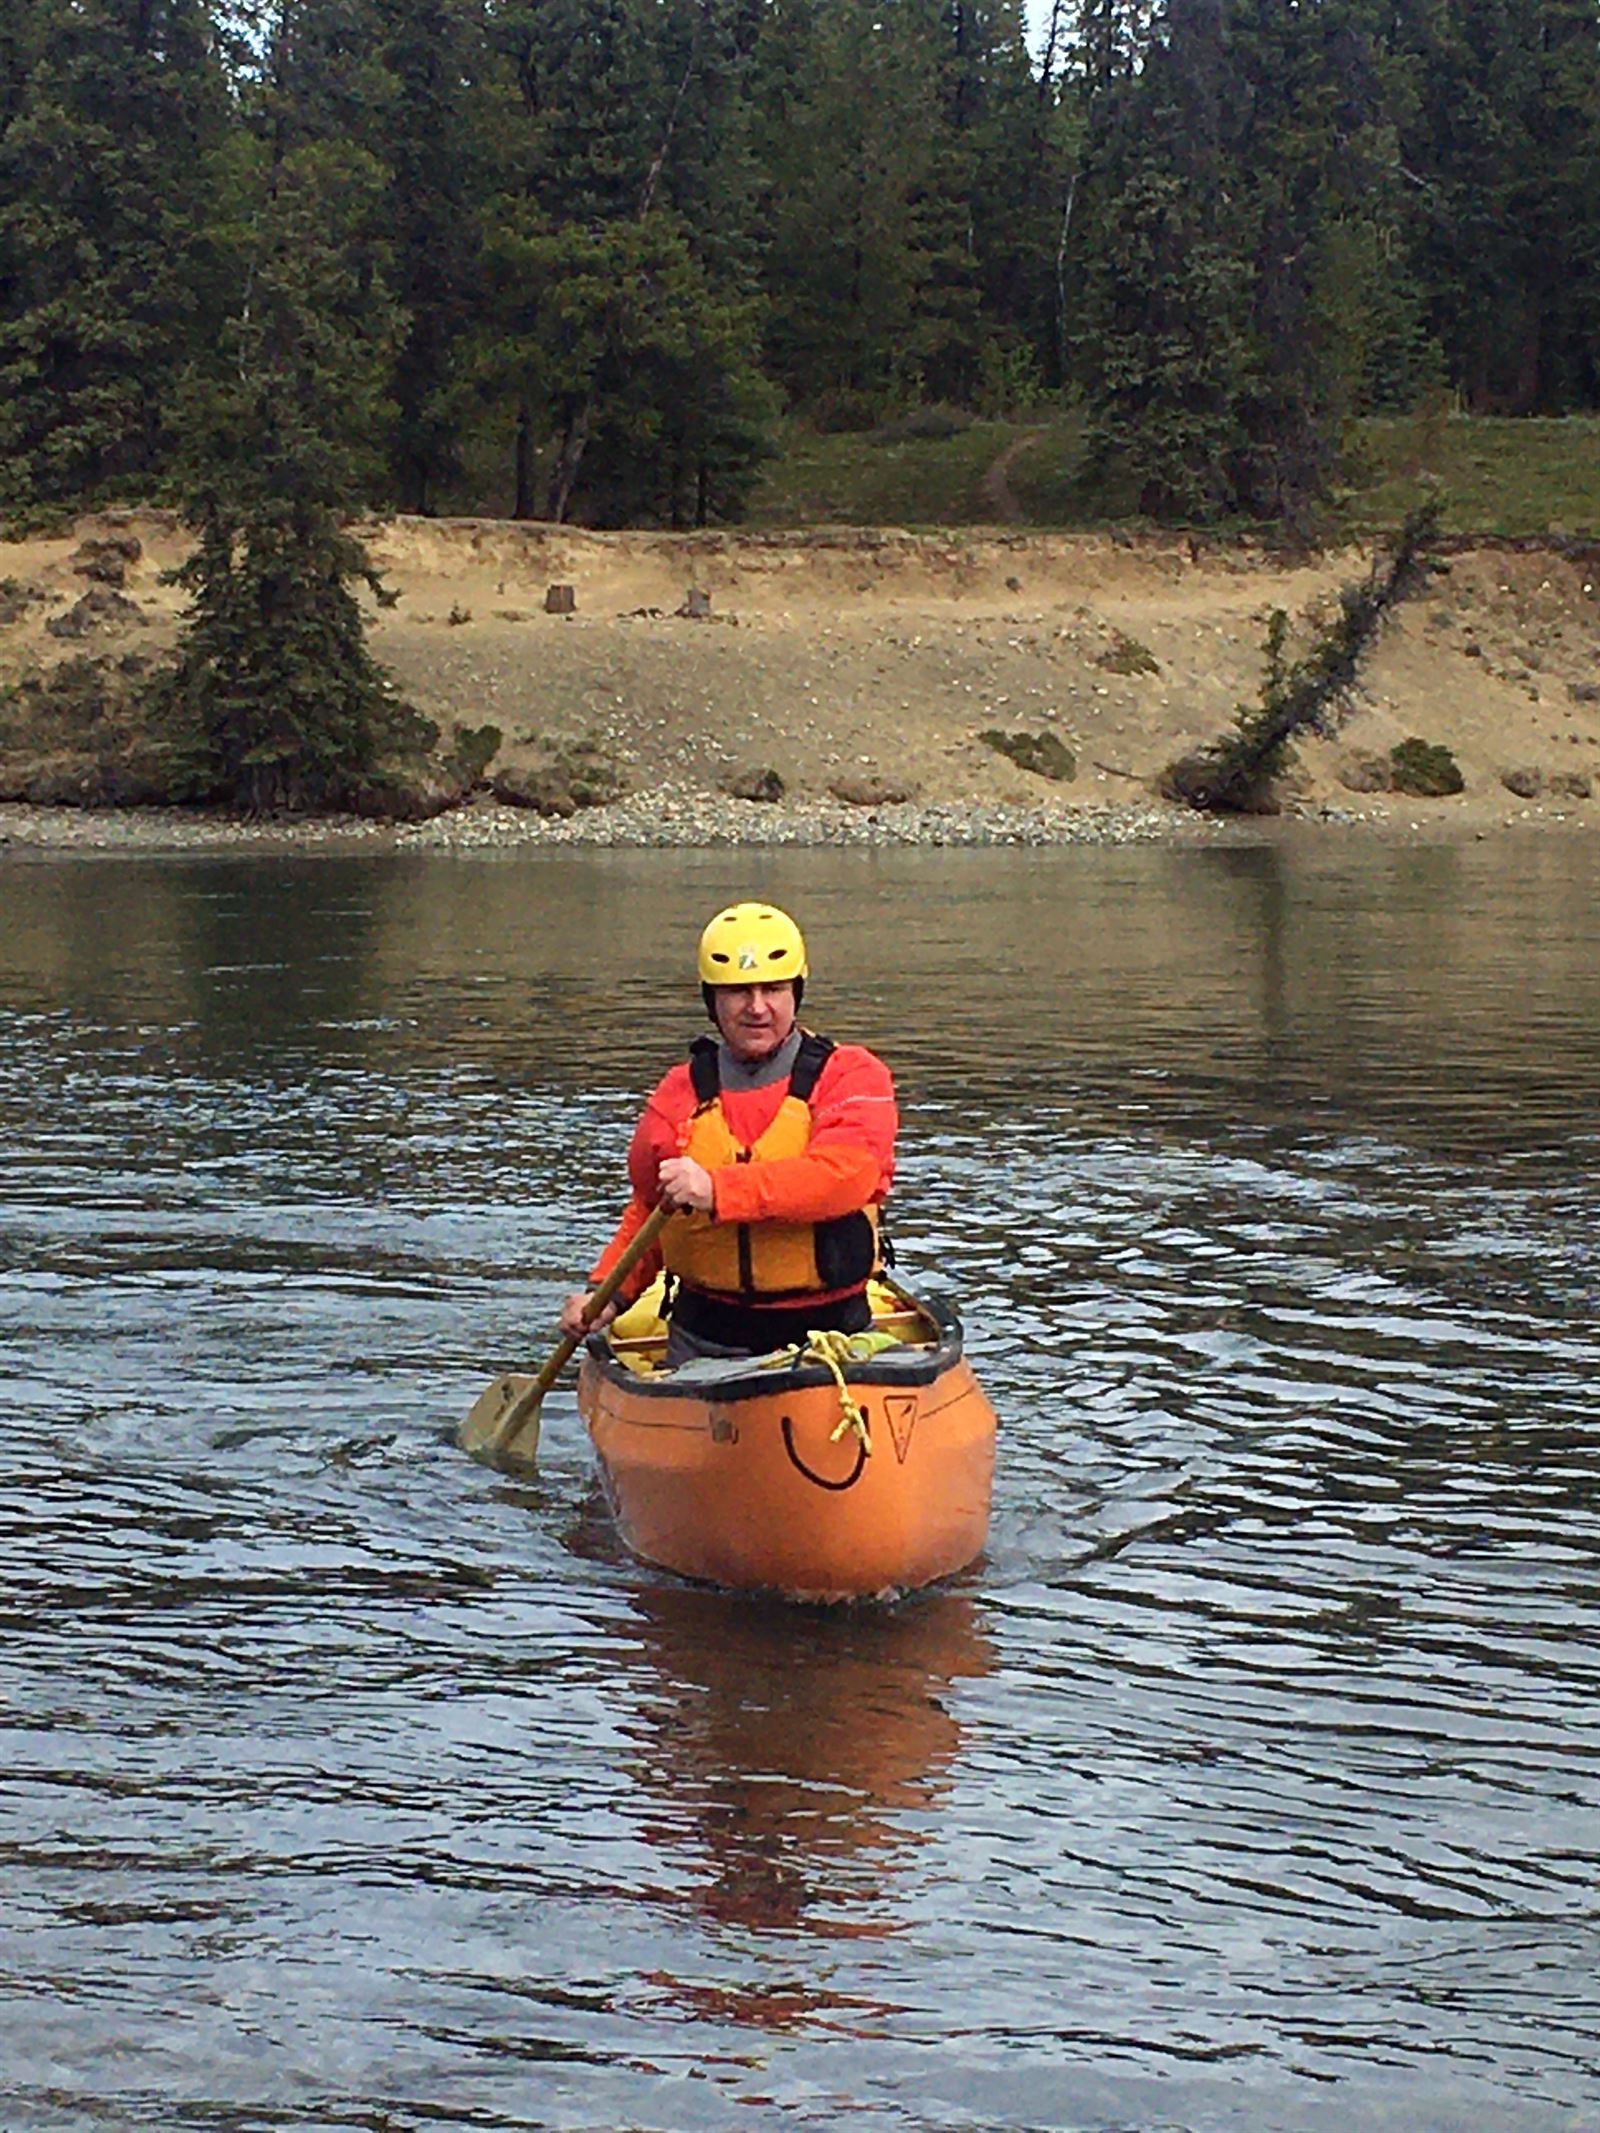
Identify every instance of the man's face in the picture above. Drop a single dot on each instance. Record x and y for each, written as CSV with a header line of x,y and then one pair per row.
x,y
754,1019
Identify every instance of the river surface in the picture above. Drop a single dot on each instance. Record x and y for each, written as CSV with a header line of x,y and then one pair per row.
x,y
1250,1783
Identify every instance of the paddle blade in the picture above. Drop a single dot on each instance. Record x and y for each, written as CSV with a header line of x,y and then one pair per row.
x,y
502,1426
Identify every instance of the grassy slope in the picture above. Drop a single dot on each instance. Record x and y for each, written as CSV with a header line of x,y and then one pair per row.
x,y
1498,477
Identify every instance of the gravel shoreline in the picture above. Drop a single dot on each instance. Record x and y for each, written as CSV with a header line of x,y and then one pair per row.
x,y
688,818
672,816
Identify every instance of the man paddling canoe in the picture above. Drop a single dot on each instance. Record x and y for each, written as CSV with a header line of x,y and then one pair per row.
x,y
774,1150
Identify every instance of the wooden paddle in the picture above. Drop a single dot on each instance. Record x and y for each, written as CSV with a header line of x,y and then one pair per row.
x,y
503,1425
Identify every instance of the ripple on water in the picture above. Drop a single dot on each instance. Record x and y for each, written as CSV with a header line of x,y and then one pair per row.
x,y
1250,1782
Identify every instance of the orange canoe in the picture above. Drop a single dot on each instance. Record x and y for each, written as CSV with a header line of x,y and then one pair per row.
x,y
831,1474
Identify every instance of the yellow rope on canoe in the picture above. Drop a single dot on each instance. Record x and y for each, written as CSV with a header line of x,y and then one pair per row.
x,y
833,1350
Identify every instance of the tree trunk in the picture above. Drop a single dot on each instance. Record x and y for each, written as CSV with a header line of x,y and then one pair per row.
x,y
568,459
1525,386
523,506
1054,43
1063,350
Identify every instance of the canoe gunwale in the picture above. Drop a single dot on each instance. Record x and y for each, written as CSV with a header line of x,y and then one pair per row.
x,y
910,1366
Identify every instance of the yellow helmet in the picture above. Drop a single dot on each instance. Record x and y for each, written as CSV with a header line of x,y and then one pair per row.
x,y
751,944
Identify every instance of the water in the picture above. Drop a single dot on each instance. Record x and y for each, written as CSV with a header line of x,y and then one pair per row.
x,y
1251,1782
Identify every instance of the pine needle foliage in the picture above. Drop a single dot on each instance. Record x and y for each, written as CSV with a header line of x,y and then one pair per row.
x,y
1305,695
276,704
110,111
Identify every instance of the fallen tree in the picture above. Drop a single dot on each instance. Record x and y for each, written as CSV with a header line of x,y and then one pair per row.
x,y
1236,774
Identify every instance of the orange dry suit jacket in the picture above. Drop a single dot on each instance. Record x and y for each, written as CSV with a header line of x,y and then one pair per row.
x,y
798,1169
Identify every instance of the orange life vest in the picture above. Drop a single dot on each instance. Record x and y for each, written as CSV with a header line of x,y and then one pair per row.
x,y
767,1262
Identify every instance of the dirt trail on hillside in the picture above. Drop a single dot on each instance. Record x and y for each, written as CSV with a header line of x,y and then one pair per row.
x,y
875,661
996,496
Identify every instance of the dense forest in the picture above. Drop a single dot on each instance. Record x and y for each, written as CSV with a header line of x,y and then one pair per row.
x,y
579,258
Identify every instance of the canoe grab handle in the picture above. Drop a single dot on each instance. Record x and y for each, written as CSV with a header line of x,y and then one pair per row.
x,y
821,1480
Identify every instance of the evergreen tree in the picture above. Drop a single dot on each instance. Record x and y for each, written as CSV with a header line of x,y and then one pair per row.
x,y
716,409
17,56
276,701
865,268
625,329
1112,40
1014,141
276,704
431,145
617,230
116,110
578,170
1312,158
1502,138
1564,222
659,372
17,35
1243,290
589,76
1092,51
314,70
1165,345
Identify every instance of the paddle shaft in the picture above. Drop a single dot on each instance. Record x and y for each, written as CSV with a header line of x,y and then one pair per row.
x,y
528,1402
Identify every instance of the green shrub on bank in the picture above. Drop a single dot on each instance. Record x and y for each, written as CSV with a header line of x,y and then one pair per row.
x,y
1045,754
1425,769
1126,655
472,750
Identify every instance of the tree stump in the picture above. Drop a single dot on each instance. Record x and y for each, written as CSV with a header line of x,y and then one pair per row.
x,y
560,600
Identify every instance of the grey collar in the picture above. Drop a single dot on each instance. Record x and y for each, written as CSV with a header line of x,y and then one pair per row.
x,y
734,1074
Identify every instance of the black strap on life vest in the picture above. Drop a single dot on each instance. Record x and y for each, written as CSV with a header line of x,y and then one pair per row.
x,y
809,1062
705,1073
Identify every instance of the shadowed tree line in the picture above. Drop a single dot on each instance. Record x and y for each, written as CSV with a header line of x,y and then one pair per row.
x,y
572,258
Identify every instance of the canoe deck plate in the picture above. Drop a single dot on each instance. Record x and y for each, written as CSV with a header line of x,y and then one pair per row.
x,y
900,1412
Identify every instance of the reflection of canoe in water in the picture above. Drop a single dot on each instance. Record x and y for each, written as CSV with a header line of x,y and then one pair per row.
x,y
833,1473
785,1761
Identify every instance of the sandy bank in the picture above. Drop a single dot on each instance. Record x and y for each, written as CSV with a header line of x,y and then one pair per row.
x,y
859,673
